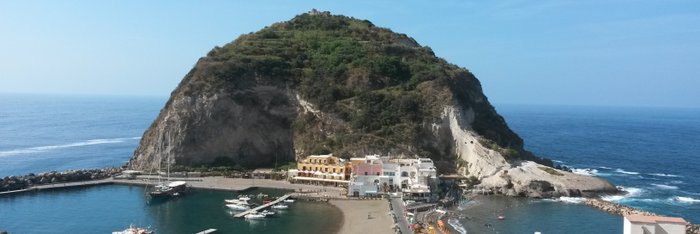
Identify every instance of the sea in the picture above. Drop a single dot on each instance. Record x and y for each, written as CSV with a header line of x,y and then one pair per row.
x,y
651,153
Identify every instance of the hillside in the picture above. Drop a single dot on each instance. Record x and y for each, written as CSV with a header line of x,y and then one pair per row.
x,y
323,83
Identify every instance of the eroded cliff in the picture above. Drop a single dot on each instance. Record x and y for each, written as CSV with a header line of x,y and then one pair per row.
x,y
323,83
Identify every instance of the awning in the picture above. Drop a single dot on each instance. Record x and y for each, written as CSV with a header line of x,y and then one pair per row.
x,y
319,179
371,191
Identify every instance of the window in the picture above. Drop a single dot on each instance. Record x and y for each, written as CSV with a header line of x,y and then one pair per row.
x,y
303,168
326,169
341,170
366,173
404,174
377,173
333,170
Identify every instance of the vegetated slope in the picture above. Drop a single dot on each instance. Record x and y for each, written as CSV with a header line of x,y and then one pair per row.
x,y
323,83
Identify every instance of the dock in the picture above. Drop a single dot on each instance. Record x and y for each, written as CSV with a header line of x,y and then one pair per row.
x,y
256,209
61,185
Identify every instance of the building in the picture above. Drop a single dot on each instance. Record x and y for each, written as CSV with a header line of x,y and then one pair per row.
x,y
640,224
321,170
374,175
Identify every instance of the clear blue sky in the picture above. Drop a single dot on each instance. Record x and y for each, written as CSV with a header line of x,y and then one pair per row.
x,y
620,53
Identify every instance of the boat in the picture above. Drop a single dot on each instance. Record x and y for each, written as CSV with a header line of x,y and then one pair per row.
x,y
237,207
289,200
236,201
134,230
267,213
280,206
254,216
501,217
243,198
168,188
171,189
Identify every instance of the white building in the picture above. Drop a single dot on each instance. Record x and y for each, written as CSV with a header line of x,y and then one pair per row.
x,y
374,175
640,224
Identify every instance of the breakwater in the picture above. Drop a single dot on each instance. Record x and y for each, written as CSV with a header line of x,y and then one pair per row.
x,y
623,210
12,183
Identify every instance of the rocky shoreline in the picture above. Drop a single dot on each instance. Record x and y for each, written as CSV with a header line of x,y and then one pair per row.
x,y
623,210
12,183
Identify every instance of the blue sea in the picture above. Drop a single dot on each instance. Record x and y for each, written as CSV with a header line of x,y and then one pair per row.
x,y
649,152
652,153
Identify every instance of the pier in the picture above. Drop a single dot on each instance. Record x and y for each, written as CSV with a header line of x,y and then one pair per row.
x,y
61,185
256,209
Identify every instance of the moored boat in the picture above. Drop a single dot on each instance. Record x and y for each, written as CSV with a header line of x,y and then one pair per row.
x,y
169,190
280,206
134,230
237,207
254,216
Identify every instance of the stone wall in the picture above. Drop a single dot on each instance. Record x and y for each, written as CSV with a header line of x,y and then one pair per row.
x,y
10,183
623,210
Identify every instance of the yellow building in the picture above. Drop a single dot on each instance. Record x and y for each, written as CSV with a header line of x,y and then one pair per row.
x,y
323,169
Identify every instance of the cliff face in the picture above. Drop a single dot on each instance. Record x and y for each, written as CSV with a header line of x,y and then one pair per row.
x,y
321,83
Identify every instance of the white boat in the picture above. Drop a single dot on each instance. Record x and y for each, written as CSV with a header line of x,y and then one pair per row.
x,y
289,200
167,188
254,216
237,207
267,213
243,198
236,201
134,230
280,206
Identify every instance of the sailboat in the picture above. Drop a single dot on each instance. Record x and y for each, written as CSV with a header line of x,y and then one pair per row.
x,y
168,188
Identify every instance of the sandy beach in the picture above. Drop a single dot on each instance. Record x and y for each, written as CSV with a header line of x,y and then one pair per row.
x,y
355,216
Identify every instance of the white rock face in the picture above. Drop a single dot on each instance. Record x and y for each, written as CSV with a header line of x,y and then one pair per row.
x,y
518,178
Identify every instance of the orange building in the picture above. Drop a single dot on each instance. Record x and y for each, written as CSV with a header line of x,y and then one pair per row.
x,y
323,169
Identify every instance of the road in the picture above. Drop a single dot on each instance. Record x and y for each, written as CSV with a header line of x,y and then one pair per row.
x,y
398,209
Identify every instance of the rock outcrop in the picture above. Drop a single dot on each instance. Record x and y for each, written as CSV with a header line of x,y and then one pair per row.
x,y
321,83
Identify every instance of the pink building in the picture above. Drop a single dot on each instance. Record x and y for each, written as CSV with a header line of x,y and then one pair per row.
x,y
367,169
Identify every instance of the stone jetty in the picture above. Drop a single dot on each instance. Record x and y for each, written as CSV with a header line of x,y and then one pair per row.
x,y
12,183
623,210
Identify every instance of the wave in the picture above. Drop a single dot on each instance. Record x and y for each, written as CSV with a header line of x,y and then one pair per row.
x,y
687,200
630,192
572,200
40,149
664,175
585,171
665,186
626,172
606,168
457,226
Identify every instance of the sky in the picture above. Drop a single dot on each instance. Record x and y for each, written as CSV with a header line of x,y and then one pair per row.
x,y
595,53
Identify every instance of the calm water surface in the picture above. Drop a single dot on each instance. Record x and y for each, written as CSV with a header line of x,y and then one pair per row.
x,y
103,209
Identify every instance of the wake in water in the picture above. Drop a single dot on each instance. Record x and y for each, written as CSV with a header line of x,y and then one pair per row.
x,y
41,149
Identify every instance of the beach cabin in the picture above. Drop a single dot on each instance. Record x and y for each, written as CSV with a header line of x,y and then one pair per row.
x,y
641,224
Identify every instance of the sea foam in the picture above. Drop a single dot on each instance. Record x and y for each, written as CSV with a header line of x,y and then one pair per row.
x,y
630,192
665,186
626,172
664,175
585,171
573,200
687,200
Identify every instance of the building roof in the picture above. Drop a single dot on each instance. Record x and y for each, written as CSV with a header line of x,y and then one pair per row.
x,y
655,219
320,156
263,170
